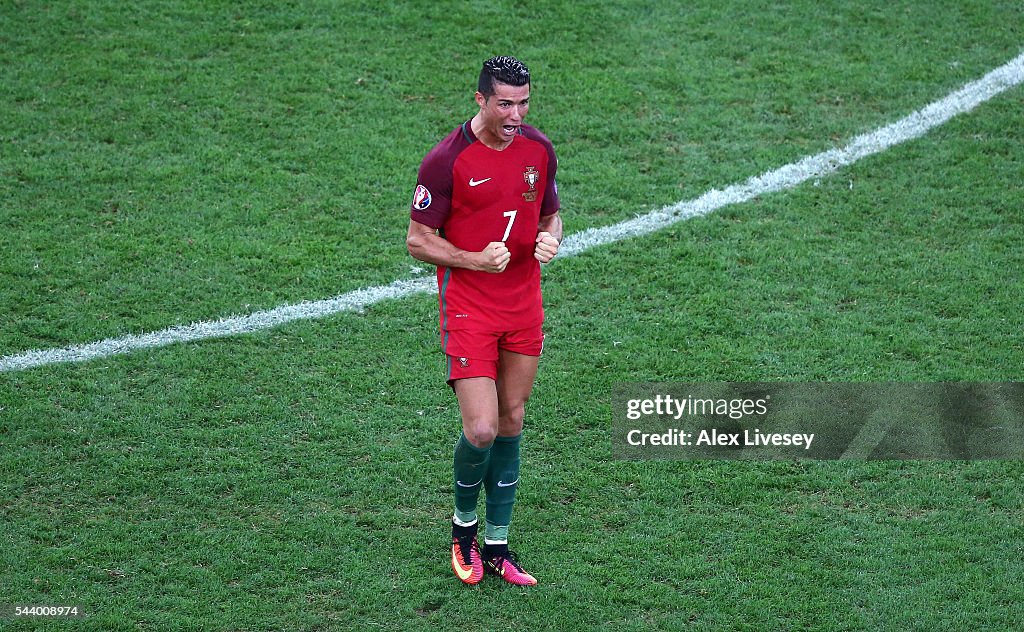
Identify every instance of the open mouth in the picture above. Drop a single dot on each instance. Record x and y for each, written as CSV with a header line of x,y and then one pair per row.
x,y
509,130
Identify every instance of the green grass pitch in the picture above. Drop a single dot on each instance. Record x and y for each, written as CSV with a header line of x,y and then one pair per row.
x,y
163,163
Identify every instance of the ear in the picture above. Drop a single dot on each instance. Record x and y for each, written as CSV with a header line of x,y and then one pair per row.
x,y
481,100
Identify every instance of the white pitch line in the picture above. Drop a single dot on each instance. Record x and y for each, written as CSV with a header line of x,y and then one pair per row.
x,y
913,126
789,176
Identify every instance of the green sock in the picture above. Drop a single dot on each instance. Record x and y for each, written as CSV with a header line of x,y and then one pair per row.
x,y
501,482
470,469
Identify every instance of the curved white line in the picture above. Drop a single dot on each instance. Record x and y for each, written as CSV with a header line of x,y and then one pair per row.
x,y
910,127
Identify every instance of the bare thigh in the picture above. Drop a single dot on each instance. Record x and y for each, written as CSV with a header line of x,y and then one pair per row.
x,y
516,373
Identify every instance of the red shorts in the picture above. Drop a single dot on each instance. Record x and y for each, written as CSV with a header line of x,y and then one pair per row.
x,y
475,353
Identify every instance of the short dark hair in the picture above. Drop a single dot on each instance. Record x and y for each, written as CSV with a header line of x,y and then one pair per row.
x,y
503,69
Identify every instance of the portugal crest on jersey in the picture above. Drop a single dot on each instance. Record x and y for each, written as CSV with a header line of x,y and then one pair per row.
x,y
530,176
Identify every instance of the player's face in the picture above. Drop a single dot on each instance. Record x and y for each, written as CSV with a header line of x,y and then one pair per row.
x,y
502,113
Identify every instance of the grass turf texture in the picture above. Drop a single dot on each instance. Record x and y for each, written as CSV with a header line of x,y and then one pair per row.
x,y
176,162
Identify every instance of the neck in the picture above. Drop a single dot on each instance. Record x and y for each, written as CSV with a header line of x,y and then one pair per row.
x,y
485,136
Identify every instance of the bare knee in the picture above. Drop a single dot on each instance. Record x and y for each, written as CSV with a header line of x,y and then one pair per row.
x,y
479,431
478,405
510,421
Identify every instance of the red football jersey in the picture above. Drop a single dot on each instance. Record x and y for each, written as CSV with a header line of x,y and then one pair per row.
x,y
475,195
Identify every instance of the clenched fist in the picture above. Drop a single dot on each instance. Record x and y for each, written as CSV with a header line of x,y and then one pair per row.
x,y
494,257
546,248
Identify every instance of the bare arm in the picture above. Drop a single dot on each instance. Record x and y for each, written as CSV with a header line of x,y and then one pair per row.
x,y
549,236
426,245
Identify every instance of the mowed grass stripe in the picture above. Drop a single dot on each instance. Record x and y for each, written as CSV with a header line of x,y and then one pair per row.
x,y
908,128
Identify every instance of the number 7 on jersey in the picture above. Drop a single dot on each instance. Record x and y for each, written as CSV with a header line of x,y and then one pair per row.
x,y
511,215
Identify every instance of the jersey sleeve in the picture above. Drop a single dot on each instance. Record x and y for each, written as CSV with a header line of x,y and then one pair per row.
x,y
551,203
432,199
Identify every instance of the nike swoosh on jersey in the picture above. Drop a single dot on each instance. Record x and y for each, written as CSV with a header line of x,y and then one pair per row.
x,y
463,573
504,484
476,183
461,484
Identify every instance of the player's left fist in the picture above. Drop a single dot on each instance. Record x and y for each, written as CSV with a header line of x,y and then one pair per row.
x,y
546,248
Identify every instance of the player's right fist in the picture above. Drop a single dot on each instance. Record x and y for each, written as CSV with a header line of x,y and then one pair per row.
x,y
494,257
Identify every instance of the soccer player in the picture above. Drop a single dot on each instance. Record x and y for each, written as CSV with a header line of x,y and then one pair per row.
x,y
485,212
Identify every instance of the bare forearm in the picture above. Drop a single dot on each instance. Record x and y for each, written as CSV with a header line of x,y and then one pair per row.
x,y
549,236
433,249
426,245
551,224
